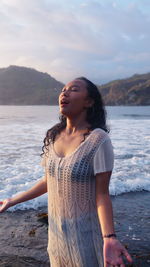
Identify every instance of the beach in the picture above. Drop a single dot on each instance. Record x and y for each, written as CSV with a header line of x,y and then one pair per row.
x,y
23,234
132,224
23,239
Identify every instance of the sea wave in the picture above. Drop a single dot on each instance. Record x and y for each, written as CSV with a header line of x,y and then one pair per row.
x,y
21,146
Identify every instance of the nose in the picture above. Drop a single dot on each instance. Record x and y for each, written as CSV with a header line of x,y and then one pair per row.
x,y
65,93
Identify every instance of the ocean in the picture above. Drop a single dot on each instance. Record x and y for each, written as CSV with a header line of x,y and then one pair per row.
x,y
23,128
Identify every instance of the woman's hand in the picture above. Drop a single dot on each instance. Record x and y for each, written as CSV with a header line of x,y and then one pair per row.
x,y
113,251
37,190
5,204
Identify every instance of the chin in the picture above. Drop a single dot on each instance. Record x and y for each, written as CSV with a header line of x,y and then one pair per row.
x,y
63,111
66,113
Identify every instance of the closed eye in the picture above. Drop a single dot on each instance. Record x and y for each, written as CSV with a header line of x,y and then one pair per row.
x,y
73,88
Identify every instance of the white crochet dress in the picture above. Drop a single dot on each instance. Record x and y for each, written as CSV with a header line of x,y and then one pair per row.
x,y
74,229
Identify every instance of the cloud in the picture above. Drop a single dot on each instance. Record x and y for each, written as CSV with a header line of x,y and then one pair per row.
x,y
101,40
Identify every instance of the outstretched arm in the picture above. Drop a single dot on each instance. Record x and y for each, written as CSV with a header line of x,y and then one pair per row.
x,y
112,249
37,190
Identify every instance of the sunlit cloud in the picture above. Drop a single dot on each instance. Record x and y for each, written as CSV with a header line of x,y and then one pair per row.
x,y
97,39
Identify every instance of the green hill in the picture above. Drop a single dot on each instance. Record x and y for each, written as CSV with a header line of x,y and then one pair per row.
x,y
131,91
27,86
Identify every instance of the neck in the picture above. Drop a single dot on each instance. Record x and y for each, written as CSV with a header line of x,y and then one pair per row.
x,y
76,124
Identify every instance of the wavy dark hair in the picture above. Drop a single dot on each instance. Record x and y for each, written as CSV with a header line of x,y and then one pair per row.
x,y
96,115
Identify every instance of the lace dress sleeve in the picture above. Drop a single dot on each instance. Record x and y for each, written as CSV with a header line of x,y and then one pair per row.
x,y
104,157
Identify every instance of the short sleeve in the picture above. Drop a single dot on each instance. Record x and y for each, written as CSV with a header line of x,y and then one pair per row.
x,y
104,157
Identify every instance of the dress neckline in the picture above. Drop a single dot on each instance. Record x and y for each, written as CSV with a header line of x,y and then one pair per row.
x,y
77,148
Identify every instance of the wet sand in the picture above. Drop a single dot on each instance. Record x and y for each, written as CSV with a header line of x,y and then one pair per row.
x,y
132,224
23,234
23,239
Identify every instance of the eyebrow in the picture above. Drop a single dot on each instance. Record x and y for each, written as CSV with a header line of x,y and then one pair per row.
x,y
75,85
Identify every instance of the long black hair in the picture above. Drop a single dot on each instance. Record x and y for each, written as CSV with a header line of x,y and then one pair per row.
x,y
96,115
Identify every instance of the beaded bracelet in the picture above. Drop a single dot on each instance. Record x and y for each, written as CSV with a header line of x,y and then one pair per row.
x,y
110,235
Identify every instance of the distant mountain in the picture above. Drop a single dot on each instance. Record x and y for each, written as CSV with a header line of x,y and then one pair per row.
x,y
131,91
27,86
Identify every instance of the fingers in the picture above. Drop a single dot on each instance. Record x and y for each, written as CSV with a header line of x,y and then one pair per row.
x,y
112,265
127,255
2,206
107,264
116,263
2,209
115,259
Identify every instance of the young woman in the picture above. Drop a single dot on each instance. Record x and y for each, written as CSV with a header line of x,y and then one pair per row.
x,y
78,159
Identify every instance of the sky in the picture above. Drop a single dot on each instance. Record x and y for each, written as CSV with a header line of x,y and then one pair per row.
x,y
102,40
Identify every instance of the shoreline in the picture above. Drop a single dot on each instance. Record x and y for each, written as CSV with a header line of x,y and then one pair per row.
x,y
23,235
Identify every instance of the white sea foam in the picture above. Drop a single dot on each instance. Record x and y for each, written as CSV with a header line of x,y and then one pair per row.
x,y
23,129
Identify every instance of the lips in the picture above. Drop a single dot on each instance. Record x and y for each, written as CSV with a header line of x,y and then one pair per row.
x,y
64,102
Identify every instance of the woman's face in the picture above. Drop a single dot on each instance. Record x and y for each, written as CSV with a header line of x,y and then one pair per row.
x,y
74,98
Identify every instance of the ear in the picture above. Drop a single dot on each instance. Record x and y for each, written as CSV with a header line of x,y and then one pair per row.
x,y
89,102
